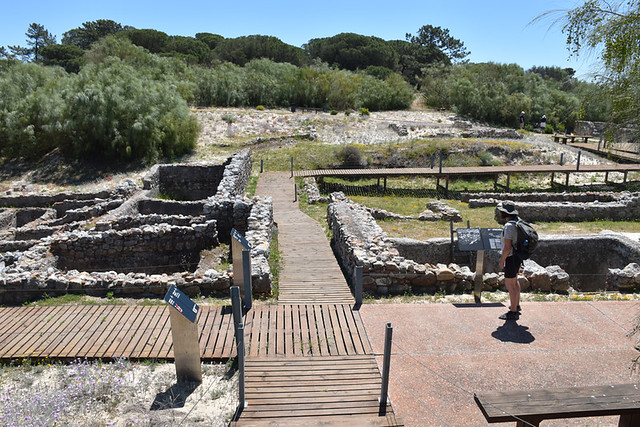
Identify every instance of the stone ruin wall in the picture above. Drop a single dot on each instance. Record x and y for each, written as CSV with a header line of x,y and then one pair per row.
x,y
187,182
28,269
190,182
580,256
624,206
150,248
399,265
358,240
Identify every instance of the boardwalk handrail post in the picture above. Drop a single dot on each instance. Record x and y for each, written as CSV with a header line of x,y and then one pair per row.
x,y
440,168
388,336
432,160
578,164
241,356
261,165
246,272
358,285
236,306
561,159
295,192
291,166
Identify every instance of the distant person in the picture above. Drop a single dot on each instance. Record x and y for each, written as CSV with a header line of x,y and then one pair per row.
x,y
522,120
543,123
507,215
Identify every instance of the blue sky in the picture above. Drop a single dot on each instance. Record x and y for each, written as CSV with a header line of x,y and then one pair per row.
x,y
493,30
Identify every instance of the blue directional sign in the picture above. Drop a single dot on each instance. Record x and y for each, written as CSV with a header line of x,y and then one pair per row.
x,y
178,300
240,238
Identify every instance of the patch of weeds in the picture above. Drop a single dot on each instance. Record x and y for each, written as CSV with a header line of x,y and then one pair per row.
x,y
217,394
250,190
229,119
67,299
275,262
73,388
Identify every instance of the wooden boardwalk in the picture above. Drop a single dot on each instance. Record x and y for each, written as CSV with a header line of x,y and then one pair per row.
x,y
309,360
619,155
109,331
469,171
324,390
314,391
310,273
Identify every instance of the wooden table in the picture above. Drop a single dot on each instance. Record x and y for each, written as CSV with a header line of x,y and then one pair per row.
x,y
529,408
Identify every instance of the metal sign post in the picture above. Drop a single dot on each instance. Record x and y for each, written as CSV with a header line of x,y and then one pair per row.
x,y
246,278
479,240
477,281
238,245
184,331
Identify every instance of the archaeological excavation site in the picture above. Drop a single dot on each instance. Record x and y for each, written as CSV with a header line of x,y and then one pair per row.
x,y
136,241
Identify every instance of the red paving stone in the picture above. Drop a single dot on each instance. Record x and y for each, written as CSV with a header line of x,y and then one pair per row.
x,y
443,353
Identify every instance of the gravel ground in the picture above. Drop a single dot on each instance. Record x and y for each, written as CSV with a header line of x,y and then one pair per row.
x,y
225,130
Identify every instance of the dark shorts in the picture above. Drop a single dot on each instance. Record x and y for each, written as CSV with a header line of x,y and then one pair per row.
x,y
512,266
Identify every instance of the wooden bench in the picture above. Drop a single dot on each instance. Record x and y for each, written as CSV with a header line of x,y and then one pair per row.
x,y
564,138
585,138
530,407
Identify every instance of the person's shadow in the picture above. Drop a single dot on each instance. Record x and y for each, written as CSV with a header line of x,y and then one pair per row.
x,y
512,332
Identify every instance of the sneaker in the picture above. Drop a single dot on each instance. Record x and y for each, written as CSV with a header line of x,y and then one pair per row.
x,y
518,309
510,315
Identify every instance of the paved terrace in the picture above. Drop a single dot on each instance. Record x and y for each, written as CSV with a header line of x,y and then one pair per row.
x,y
443,353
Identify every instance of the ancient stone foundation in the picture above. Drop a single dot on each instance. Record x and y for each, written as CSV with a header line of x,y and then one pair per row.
x,y
624,206
126,242
359,241
160,248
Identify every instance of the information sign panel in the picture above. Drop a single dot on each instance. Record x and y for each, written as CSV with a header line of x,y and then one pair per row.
x,y
178,300
491,238
469,239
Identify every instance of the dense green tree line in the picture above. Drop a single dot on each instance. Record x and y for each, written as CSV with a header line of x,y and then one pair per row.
x,y
612,31
497,93
348,51
126,103
91,108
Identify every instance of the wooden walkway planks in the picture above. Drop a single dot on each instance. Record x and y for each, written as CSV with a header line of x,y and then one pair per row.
x,y
310,272
305,330
107,331
313,391
144,332
462,171
613,153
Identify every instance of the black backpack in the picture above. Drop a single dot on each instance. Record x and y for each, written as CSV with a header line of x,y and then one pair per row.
x,y
527,239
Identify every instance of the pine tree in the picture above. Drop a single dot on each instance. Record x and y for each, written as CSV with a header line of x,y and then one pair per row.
x,y
37,38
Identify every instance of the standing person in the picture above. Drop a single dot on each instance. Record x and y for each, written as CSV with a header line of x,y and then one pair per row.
x,y
543,123
507,215
522,120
